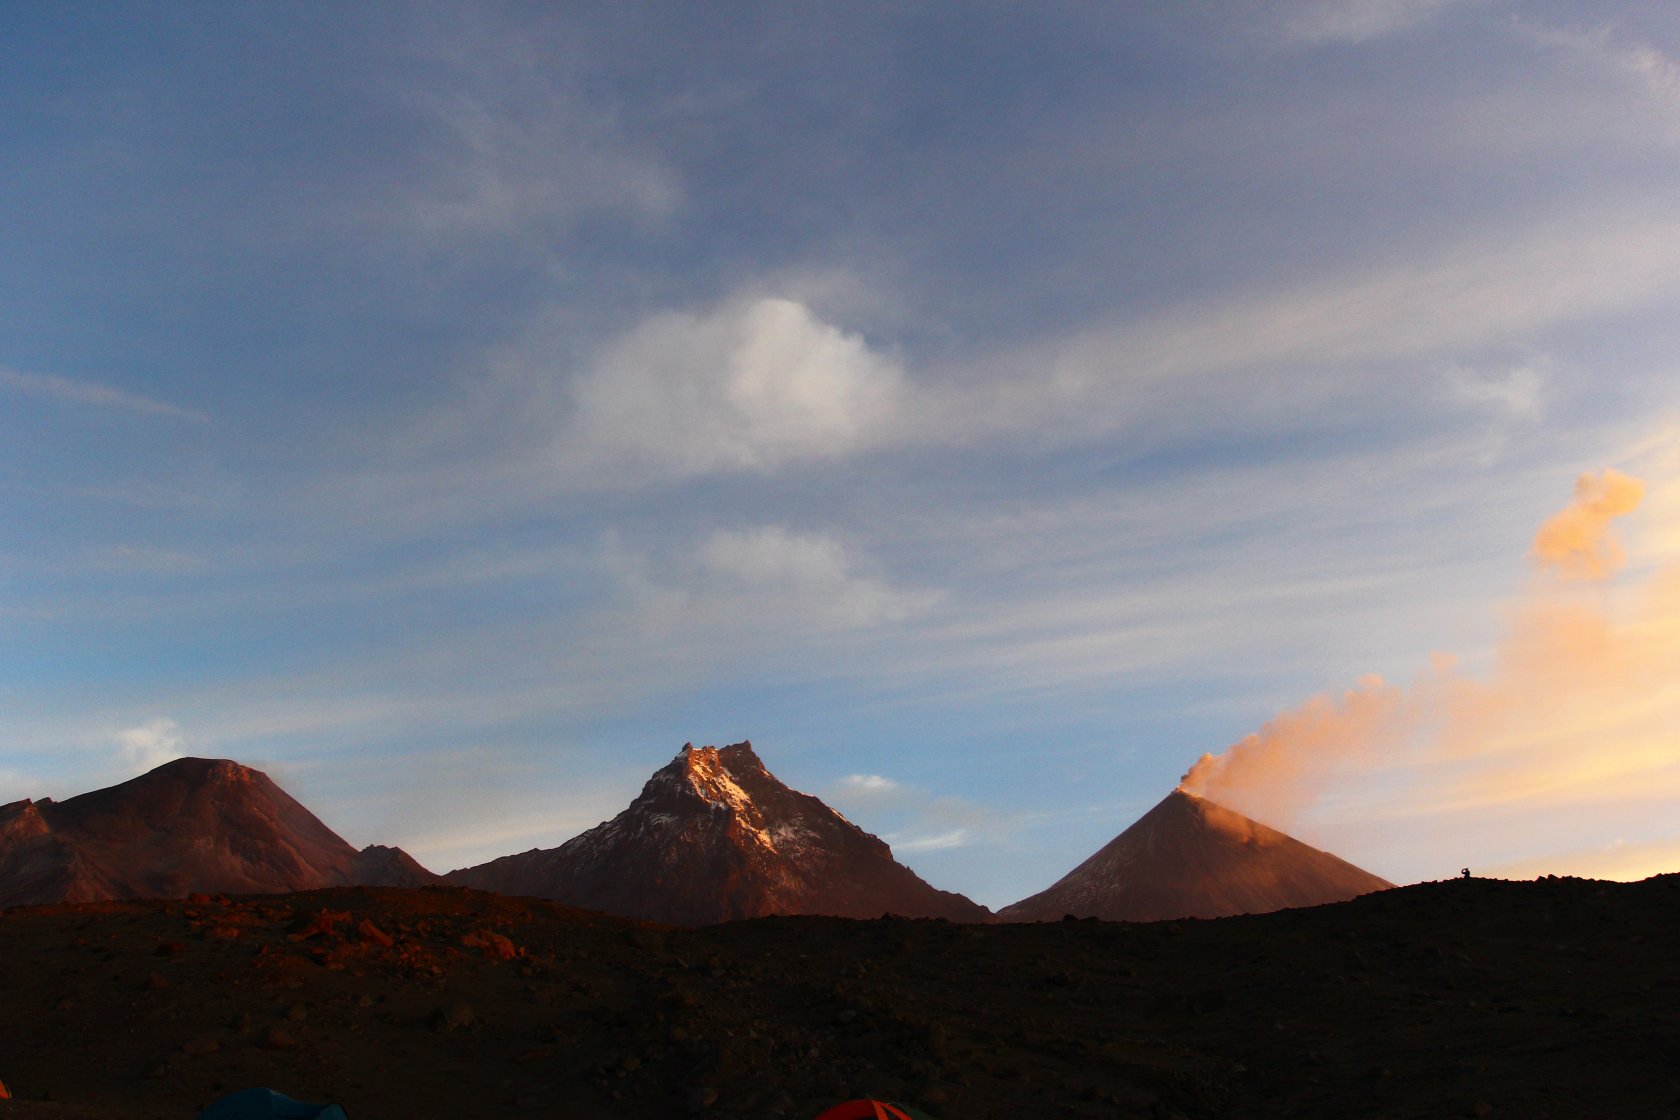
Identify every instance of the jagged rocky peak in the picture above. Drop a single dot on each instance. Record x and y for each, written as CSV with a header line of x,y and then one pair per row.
x,y
714,836
203,771
709,761
715,773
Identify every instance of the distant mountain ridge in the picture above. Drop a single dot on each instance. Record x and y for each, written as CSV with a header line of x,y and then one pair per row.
x,y
713,837
193,824
1191,858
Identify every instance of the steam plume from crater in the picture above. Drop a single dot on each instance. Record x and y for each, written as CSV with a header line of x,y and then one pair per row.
x,y
1581,710
1576,542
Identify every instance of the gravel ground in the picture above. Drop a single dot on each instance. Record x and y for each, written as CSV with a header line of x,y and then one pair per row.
x,y
1557,998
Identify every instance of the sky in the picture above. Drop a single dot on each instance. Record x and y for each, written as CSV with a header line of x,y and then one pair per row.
x,y
987,409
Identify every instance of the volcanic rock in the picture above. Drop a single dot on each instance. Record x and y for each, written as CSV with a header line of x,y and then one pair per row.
x,y
714,837
1544,999
1191,858
191,825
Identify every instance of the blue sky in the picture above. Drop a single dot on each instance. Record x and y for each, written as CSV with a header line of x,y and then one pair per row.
x,y
985,408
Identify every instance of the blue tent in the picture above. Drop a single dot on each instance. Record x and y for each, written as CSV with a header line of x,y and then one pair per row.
x,y
266,1104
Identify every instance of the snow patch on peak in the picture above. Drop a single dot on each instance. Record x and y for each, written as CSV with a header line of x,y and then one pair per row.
x,y
708,777
793,835
705,772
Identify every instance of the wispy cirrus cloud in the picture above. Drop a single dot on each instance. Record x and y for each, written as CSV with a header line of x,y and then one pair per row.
x,y
1515,392
914,820
765,384
1617,52
935,842
756,385
145,560
736,595
1319,22
1493,288
94,394
513,143
813,571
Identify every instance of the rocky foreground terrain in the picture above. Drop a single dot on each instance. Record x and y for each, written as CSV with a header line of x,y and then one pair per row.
x,y
1557,998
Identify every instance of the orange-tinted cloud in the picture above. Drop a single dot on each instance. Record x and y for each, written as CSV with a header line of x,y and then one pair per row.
x,y
1578,719
1576,542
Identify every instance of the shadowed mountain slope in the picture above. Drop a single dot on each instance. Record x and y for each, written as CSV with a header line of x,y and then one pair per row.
x,y
1191,858
194,824
713,837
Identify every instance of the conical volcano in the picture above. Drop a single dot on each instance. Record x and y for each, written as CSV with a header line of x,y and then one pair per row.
x,y
194,824
713,837
1191,858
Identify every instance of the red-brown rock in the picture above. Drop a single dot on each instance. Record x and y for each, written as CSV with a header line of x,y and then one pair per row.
x,y
192,826
1191,858
714,837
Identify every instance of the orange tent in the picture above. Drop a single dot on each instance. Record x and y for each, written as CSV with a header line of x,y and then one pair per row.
x,y
865,1110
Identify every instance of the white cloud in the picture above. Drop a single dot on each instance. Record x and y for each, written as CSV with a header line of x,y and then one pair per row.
x,y
763,384
94,394
150,744
751,385
863,784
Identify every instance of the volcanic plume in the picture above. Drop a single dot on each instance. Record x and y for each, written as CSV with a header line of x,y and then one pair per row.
x,y
713,837
1190,858
194,824
1580,712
